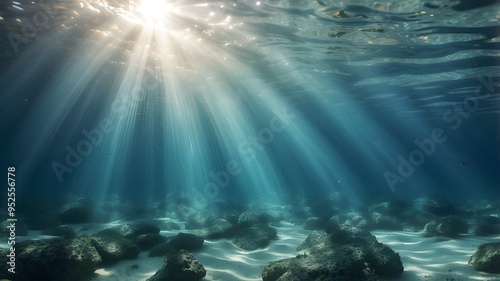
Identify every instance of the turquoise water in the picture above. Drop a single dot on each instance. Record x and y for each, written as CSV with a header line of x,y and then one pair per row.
x,y
135,129
261,101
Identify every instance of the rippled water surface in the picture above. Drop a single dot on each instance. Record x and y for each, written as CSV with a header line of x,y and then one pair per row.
x,y
251,99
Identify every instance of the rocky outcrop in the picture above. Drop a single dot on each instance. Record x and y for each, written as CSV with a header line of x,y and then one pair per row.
x,y
351,219
339,267
450,227
484,226
113,249
315,238
57,259
76,212
435,206
248,218
162,249
186,241
314,223
180,266
219,228
346,253
149,240
382,221
254,237
130,231
487,258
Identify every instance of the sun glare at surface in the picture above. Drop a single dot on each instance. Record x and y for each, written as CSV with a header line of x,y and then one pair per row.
x,y
154,11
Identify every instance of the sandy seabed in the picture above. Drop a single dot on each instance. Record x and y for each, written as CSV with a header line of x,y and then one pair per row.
x,y
424,259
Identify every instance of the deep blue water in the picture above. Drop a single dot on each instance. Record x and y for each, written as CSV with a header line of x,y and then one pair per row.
x,y
250,100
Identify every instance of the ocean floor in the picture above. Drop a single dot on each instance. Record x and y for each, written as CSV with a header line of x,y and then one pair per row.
x,y
222,260
435,259
429,259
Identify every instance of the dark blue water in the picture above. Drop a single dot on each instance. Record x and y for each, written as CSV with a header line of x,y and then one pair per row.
x,y
251,101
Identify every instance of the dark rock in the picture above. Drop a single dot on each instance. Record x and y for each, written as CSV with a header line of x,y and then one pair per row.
x,y
491,220
341,266
186,241
314,223
255,237
149,240
130,230
380,221
248,218
478,207
115,249
351,219
487,258
384,261
62,230
346,253
57,259
482,229
162,249
136,229
437,207
75,212
349,235
232,218
315,238
416,218
181,266
220,228
484,226
451,228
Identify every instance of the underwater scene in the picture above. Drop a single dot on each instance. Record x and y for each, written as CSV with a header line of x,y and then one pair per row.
x,y
245,140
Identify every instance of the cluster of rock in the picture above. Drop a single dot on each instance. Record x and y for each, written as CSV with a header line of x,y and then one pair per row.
x,y
436,217
345,251
341,254
77,257
248,230
180,266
